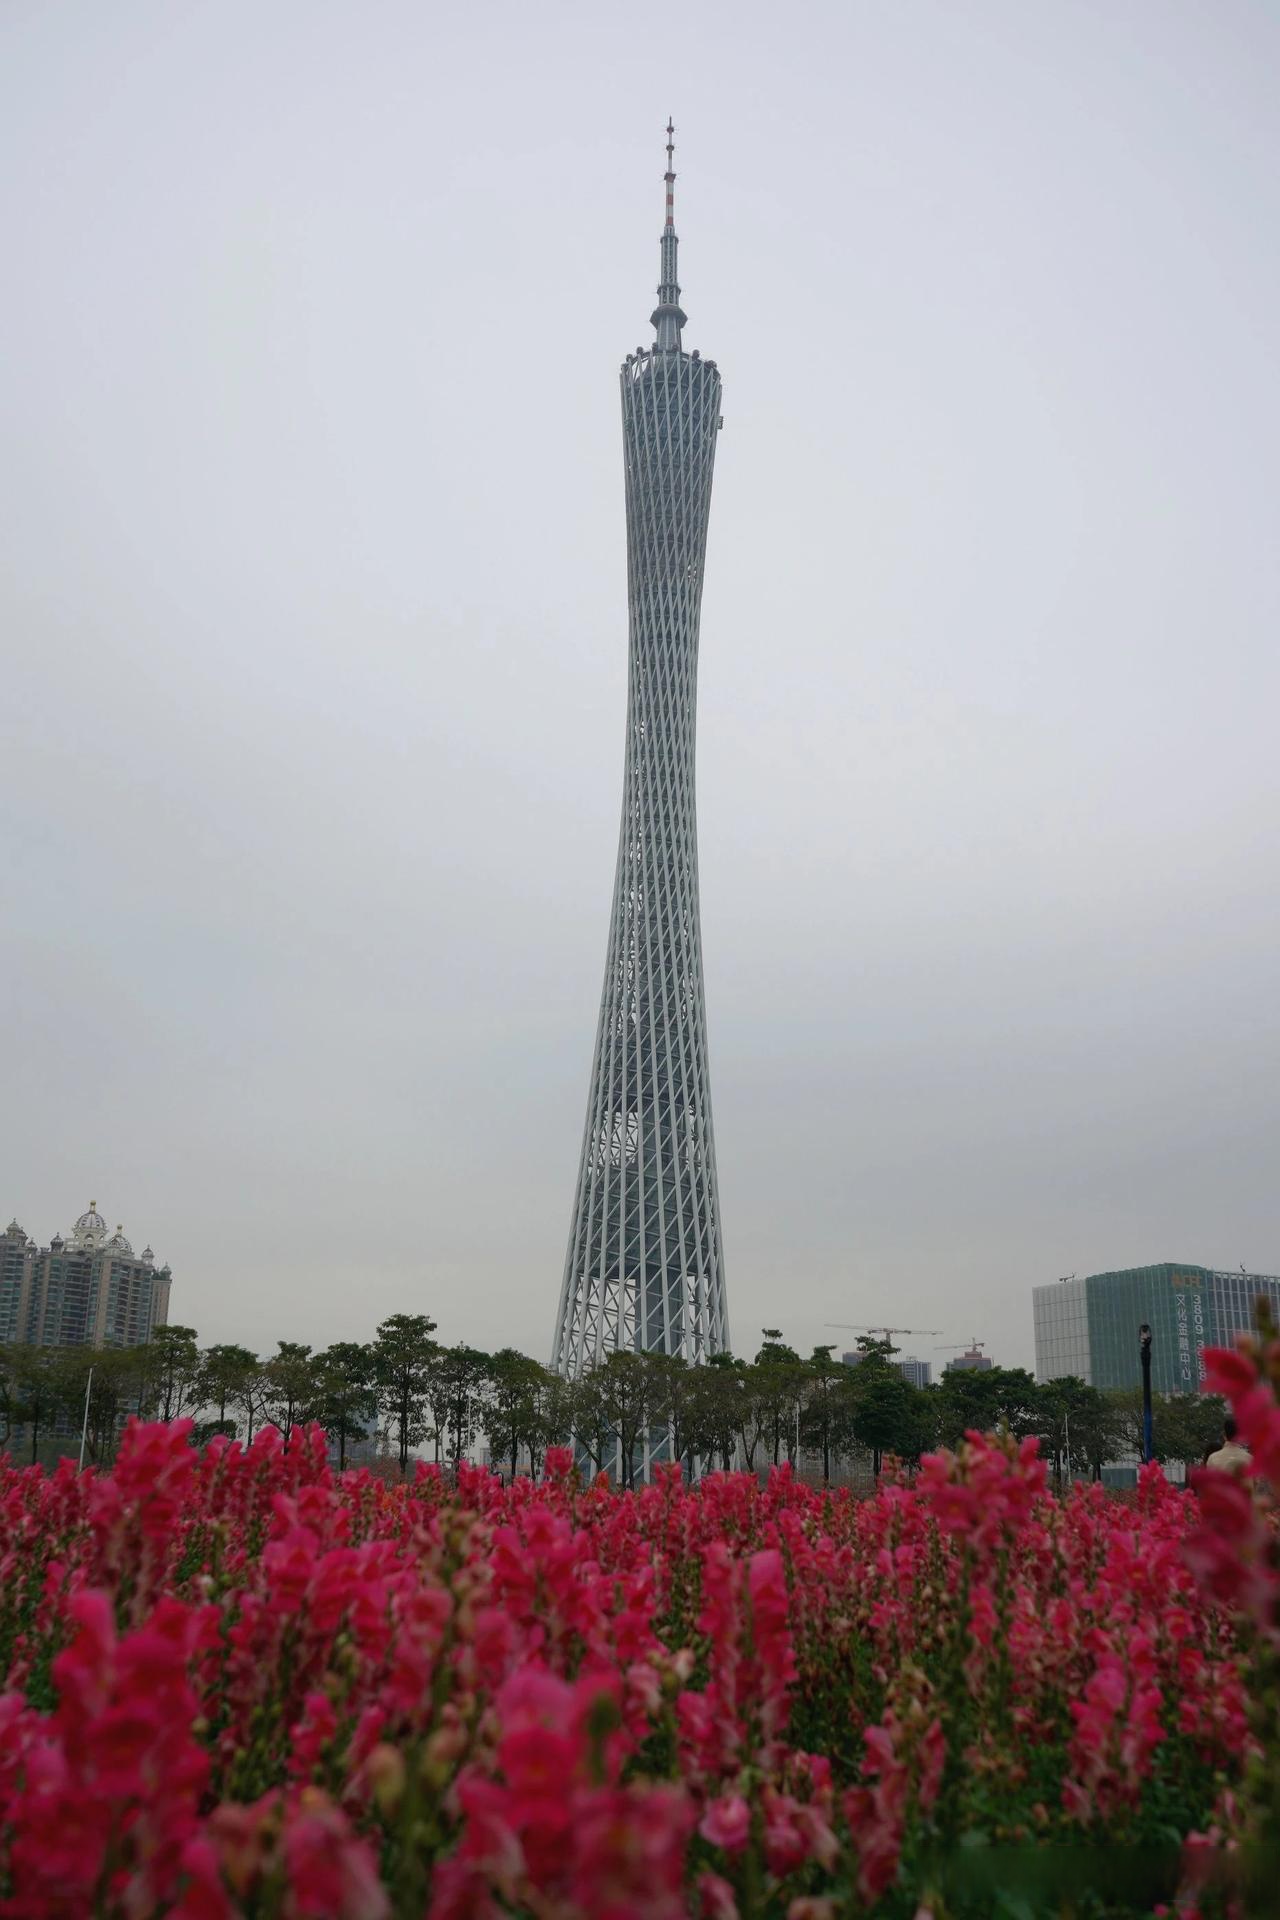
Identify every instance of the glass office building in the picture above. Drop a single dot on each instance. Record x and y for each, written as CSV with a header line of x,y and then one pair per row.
x,y
1090,1327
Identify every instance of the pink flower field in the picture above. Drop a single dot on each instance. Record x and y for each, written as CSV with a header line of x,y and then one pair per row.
x,y
239,1684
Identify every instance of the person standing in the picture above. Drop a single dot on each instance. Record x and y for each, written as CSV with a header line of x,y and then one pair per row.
x,y
1230,1456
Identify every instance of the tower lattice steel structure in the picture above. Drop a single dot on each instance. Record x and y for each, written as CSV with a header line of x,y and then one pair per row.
x,y
645,1270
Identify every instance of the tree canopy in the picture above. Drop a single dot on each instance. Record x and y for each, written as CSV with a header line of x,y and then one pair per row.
x,y
405,1389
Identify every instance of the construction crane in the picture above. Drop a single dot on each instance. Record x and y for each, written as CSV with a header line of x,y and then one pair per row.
x,y
974,1346
847,1326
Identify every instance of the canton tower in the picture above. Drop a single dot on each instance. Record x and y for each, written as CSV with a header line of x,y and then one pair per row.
x,y
644,1271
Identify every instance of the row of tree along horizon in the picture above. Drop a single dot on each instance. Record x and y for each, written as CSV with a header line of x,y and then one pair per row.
x,y
405,1390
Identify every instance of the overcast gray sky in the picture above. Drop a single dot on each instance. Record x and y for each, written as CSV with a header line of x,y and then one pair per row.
x,y
313,610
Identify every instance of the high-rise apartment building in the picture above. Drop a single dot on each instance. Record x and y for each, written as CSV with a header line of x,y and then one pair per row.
x,y
17,1256
644,1269
89,1290
1089,1327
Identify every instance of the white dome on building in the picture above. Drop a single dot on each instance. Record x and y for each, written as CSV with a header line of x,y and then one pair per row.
x,y
117,1243
90,1222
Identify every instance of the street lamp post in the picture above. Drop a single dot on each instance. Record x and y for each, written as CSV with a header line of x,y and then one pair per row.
x,y
1144,1346
1066,1440
84,1429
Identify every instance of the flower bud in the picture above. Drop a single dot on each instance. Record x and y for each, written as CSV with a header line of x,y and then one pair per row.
x,y
385,1772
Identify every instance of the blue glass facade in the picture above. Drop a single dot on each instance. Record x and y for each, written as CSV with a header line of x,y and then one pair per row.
x,y
1090,1327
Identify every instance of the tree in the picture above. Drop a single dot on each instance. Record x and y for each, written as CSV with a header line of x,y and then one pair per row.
x,y
403,1355
171,1372
631,1397
435,1424
888,1414
224,1370
10,1393
1187,1426
920,1434
345,1393
985,1400
555,1423
779,1379
730,1409
679,1405
516,1397
36,1382
827,1407
589,1421
97,1388
1101,1431
459,1379
250,1397
289,1386
1082,1427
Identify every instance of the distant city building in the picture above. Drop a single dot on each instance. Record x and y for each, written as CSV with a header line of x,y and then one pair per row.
x,y
1089,1327
918,1372
89,1290
972,1360
364,1453
17,1255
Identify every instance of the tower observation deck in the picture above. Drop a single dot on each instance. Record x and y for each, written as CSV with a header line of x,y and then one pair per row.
x,y
645,1269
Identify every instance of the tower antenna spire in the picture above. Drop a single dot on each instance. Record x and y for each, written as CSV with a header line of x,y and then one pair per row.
x,y
667,317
